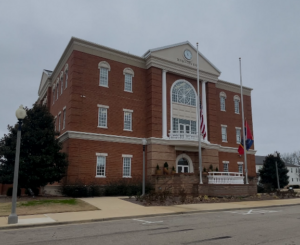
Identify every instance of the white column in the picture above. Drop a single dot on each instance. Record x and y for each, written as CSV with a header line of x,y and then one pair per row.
x,y
204,106
164,104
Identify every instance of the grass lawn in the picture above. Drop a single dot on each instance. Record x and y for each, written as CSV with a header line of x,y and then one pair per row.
x,y
46,206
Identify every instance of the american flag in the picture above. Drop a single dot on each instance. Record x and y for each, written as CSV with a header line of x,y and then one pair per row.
x,y
202,123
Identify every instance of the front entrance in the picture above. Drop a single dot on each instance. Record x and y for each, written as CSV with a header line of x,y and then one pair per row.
x,y
183,166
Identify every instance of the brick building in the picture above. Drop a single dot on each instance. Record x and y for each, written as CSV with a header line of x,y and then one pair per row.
x,y
106,101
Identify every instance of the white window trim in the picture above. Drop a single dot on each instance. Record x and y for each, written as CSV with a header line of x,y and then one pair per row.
x,y
128,71
101,155
224,126
239,163
127,156
127,110
104,64
225,161
222,94
105,107
238,128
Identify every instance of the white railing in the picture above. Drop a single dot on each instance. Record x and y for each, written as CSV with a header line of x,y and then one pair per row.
x,y
182,135
225,178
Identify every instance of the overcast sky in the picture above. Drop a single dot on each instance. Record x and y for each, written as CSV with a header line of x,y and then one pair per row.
x,y
265,33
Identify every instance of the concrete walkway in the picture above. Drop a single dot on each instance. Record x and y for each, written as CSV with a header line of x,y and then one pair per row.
x,y
119,208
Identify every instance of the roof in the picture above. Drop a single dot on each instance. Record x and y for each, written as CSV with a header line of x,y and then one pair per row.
x,y
259,160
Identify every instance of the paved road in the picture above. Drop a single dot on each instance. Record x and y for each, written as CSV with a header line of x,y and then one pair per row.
x,y
258,226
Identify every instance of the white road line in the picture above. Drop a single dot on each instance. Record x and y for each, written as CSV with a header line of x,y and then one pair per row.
x,y
253,211
147,222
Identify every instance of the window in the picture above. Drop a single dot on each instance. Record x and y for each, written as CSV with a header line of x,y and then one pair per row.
x,y
240,167
104,77
184,93
183,166
104,68
224,133
127,166
183,126
129,74
222,101
59,122
238,135
64,118
102,116
225,166
66,75
236,100
53,95
57,88
127,119
128,83
292,179
61,82
61,86
291,170
101,164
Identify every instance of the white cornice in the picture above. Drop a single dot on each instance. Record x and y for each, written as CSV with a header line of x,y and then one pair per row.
x,y
184,145
233,87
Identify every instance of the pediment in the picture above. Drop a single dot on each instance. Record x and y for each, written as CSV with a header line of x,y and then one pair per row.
x,y
46,74
175,54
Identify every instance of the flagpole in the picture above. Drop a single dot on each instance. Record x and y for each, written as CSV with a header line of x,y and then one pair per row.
x,y
198,116
243,126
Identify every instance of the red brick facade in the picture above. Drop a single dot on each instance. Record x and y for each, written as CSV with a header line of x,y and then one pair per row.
x,y
82,138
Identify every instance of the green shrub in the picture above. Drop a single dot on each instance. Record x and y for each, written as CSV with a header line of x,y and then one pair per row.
x,y
10,190
125,188
80,190
166,165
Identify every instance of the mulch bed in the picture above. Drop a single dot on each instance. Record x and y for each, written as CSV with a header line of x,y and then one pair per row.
x,y
178,200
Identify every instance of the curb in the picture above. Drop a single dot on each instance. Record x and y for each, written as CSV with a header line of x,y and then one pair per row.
x,y
131,217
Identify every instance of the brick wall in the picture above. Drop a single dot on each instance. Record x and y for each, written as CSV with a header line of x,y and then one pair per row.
x,y
82,160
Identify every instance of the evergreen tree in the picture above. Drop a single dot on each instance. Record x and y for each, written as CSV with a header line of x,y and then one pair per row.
x,y
41,159
267,173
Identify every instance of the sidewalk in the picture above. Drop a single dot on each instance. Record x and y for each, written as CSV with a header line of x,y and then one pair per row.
x,y
118,208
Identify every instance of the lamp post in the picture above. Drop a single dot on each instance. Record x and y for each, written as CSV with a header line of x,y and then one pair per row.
x,y
144,146
13,217
275,155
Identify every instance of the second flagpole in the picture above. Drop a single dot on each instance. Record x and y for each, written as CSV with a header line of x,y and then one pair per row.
x,y
198,116
243,126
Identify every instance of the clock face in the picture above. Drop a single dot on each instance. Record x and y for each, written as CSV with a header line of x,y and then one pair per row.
x,y
187,54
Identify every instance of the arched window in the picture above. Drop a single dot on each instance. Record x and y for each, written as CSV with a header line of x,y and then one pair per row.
x,y
183,93
104,68
236,100
222,101
183,166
